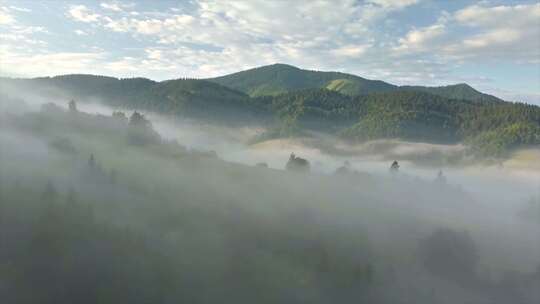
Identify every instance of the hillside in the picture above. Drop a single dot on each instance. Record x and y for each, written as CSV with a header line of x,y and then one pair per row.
x,y
457,91
281,78
491,129
183,97
289,101
87,209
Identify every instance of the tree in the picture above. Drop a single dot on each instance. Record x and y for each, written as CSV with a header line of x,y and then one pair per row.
x,y
394,168
138,120
440,179
92,161
451,255
345,169
297,164
72,106
140,131
71,198
119,115
50,193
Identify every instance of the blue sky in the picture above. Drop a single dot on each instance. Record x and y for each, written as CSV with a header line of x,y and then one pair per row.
x,y
492,45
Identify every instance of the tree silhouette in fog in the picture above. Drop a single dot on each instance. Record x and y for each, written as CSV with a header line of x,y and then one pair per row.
x,y
451,255
394,168
72,106
140,131
297,164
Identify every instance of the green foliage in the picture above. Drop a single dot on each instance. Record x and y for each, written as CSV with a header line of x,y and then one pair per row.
x,y
500,141
460,91
293,102
281,78
140,131
407,115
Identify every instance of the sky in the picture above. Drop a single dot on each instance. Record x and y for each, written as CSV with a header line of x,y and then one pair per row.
x,y
492,45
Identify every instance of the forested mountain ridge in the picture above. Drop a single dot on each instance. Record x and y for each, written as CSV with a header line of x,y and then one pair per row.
x,y
276,79
456,91
491,129
183,97
449,114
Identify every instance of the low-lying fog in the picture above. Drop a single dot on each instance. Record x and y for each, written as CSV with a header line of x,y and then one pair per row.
x,y
498,191
500,188
505,182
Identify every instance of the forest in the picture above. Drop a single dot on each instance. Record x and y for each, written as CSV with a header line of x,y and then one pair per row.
x,y
292,102
102,209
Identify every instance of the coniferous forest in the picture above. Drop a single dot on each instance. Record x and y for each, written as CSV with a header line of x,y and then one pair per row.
x,y
270,152
102,209
293,102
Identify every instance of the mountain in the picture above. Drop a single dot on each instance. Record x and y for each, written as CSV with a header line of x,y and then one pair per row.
x,y
461,91
281,78
184,97
277,79
289,101
490,128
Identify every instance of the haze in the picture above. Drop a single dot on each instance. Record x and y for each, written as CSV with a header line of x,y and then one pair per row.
x,y
265,182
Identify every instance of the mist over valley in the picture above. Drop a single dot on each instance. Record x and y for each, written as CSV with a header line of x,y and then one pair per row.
x,y
377,151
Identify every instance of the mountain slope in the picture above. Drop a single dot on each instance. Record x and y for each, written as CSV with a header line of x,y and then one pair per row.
x,y
184,97
277,79
281,78
304,101
461,91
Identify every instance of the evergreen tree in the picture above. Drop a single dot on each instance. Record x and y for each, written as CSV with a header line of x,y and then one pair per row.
x,y
72,106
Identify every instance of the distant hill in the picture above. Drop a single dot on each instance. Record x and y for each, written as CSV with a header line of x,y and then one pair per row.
x,y
184,97
293,102
461,91
281,78
277,79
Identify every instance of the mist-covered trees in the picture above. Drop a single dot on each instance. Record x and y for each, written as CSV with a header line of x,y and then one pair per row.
x,y
140,130
121,116
176,226
339,106
72,106
451,255
394,167
491,128
297,164
500,141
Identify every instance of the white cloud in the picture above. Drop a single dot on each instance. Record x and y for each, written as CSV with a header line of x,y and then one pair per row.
x,y
351,50
497,16
20,9
5,17
82,13
509,33
149,27
307,33
22,64
492,38
419,39
119,25
394,3
111,6
116,6
20,35
80,33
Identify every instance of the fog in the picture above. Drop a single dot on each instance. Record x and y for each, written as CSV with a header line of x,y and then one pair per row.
x,y
498,183
171,222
